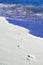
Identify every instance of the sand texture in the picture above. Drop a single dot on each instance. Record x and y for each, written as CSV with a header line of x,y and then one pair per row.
x,y
17,47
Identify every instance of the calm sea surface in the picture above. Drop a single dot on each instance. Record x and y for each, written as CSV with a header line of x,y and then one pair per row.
x,y
35,2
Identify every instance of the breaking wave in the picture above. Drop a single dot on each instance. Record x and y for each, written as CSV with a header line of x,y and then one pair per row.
x,y
28,16
21,12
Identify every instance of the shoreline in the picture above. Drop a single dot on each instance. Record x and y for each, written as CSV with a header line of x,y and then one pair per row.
x,y
17,44
27,31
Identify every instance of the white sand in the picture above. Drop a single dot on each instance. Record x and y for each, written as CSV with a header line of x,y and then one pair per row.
x,y
16,45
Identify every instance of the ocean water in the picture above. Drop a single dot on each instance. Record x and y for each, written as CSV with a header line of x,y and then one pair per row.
x,y
26,13
35,26
35,2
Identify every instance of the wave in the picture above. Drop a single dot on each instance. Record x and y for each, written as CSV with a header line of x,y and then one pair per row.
x,y
27,16
21,12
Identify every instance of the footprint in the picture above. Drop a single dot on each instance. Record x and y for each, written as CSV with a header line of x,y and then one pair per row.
x,y
31,57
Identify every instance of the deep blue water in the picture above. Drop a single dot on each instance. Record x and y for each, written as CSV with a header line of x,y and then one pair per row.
x,y
35,26
35,2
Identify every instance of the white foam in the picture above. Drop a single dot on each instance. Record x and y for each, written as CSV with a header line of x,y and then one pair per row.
x,y
39,14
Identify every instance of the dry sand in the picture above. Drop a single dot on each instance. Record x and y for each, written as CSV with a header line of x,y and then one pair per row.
x,y
17,47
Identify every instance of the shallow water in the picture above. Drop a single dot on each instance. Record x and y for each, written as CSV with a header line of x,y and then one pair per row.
x,y
27,16
35,27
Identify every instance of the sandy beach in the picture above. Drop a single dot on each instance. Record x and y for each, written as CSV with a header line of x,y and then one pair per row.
x,y
17,47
